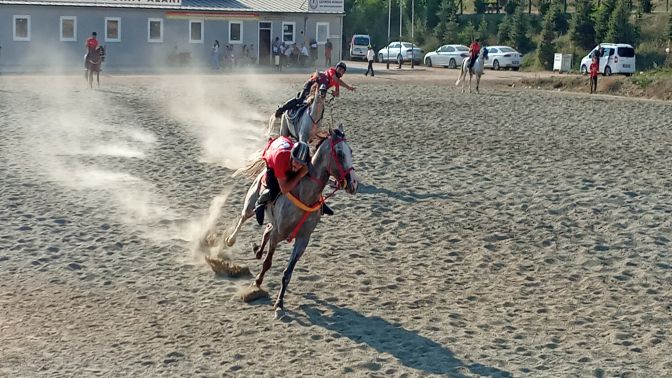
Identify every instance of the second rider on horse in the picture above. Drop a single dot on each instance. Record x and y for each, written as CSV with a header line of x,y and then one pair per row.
x,y
331,78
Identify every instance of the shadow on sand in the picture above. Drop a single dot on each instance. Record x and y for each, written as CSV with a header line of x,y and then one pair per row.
x,y
411,349
405,197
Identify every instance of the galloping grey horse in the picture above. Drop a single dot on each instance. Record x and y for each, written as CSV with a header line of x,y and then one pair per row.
x,y
305,127
477,70
296,214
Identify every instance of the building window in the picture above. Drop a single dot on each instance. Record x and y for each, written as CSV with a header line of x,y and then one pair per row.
x,y
195,31
235,32
22,28
322,32
112,29
68,28
288,32
155,30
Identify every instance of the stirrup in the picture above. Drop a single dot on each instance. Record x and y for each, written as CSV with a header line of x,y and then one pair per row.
x,y
327,210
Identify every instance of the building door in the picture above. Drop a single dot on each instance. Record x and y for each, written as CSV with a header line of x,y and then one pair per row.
x,y
265,43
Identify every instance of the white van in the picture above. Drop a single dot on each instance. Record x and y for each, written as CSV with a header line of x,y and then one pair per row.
x,y
615,58
359,45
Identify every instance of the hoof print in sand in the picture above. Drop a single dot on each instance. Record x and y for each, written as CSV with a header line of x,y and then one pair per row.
x,y
227,268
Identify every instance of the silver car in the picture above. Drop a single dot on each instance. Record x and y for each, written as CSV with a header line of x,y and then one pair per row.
x,y
403,50
450,56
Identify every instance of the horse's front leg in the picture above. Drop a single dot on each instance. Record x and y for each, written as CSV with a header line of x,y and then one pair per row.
x,y
268,261
248,208
98,78
299,247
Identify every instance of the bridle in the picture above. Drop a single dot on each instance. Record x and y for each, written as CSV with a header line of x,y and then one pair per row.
x,y
341,183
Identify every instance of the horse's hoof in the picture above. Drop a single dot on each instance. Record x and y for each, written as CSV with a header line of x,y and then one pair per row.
x,y
279,313
230,242
255,248
259,255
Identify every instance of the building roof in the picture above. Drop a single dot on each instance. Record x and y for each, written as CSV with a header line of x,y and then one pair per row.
x,y
258,6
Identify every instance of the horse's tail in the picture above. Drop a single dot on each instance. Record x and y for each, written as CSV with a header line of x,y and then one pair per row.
x,y
253,168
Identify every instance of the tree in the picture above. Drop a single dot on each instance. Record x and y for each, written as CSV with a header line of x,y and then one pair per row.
x,y
467,34
447,9
546,46
504,31
645,6
581,31
620,29
669,23
452,30
482,32
602,16
480,6
559,17
518,33
543,6
510,6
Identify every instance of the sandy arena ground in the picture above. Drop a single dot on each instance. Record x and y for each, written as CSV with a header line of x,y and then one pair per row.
x,y
511,233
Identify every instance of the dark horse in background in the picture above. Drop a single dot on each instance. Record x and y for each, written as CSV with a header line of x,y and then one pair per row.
x,y
93,60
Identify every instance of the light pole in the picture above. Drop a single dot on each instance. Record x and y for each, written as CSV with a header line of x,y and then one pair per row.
x,y
401,46
389,20
412,37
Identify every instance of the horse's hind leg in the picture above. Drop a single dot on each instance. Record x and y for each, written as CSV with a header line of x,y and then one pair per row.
x,y
259,249
98,78
299,247
248,208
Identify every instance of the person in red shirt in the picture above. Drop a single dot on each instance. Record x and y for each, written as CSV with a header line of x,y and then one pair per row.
x,y
474,50
331,78
91,45
594,72
286,164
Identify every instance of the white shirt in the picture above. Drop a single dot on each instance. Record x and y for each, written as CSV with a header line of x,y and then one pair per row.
x,y
370,55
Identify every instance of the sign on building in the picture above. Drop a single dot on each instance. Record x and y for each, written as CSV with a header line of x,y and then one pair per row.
x,y
326,6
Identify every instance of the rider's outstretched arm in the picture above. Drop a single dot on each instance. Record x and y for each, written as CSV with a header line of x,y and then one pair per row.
x,y
343,83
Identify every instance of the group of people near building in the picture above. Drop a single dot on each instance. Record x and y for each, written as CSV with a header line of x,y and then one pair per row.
x,y
293,54
231,56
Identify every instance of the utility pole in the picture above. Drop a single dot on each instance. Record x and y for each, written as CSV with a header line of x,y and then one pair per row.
x,y
401,57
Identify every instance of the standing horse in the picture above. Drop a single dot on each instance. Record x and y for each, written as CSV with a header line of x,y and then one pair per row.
x,y
477,70
295,215
94,59
302,125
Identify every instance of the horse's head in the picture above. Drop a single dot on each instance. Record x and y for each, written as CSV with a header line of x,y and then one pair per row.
x,y
341,165
323,91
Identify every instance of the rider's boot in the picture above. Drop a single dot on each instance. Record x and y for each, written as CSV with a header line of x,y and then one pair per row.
x,y
327,210
290,104
260,205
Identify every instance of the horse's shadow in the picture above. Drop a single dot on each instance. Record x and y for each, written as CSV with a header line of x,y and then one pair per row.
x,y
408,347
407,197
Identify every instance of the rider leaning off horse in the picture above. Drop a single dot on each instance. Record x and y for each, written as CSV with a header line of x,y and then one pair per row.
x,y
331,78
286,164
91,45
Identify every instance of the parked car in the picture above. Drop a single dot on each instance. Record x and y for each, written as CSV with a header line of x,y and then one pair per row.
x,y
404,50
359,45
615,58
503,57
450,56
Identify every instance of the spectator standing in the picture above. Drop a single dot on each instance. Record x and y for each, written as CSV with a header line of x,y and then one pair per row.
x,y
327,53
594,72
303,58
277,46
313,50
370,57
214,55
